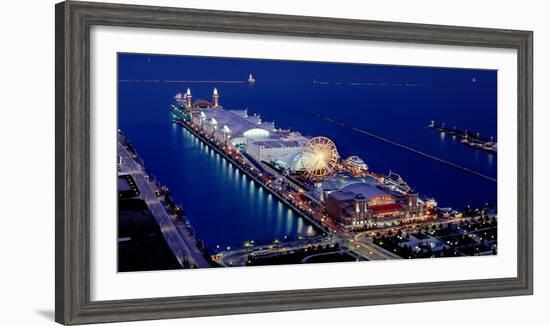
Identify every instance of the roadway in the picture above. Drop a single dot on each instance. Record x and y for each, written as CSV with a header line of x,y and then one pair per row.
x,y
363,246
239,257
360,244
414,227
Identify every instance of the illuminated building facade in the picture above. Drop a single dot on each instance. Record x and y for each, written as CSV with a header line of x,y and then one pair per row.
x,y
233,128
270,150
363,205
215,99
188,98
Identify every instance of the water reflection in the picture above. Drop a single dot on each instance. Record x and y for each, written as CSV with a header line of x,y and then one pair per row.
x,y
490,159
289,221
225,207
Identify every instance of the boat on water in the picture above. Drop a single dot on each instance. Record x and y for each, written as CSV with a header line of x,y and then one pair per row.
x,y
356,164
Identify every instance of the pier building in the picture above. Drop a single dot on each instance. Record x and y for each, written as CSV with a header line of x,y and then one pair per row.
x,y
338,182
292,162
272,149
232,127
185,100
215,99
360,205
188,98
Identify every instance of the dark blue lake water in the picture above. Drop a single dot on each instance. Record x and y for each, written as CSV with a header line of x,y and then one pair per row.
x,y
226,208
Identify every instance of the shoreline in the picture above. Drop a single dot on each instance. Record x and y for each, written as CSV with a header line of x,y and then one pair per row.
x,y
182,242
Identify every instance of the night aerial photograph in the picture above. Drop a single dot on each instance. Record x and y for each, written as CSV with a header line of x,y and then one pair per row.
x,y
233,162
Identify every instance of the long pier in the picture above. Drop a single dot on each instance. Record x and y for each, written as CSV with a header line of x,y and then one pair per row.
x,y
183,81
348,83
405,147
367,250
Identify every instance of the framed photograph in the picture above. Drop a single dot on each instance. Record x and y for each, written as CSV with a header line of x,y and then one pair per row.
x,y
215,162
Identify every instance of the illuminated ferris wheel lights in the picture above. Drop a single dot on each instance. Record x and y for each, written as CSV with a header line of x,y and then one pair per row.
x,y
319,156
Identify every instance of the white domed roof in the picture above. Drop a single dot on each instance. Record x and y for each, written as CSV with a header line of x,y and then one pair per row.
x,y
256,133
292,161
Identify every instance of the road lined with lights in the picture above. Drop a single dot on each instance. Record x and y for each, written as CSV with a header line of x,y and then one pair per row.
x,y
365,247
239,256
177,237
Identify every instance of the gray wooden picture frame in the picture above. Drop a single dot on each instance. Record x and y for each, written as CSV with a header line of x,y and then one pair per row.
x,y
72,170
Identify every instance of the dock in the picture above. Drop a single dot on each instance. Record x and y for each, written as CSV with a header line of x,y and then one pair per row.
x,y
468,137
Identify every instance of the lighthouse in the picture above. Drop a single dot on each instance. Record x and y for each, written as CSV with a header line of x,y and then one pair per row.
x,y
215,99
251,79
188,97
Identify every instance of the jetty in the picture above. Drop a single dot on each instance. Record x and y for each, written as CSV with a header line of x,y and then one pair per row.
x,y
469,138
405,147
183,81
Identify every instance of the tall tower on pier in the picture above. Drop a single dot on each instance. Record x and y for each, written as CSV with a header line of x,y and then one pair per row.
x,y
215,98
188,97
414,208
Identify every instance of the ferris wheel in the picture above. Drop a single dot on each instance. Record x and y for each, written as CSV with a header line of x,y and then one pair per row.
x,y
319,156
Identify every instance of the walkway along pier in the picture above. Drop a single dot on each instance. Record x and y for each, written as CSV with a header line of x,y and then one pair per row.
x,y
405,147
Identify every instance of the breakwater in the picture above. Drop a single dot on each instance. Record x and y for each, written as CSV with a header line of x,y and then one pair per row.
x,y
405,147
168,81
